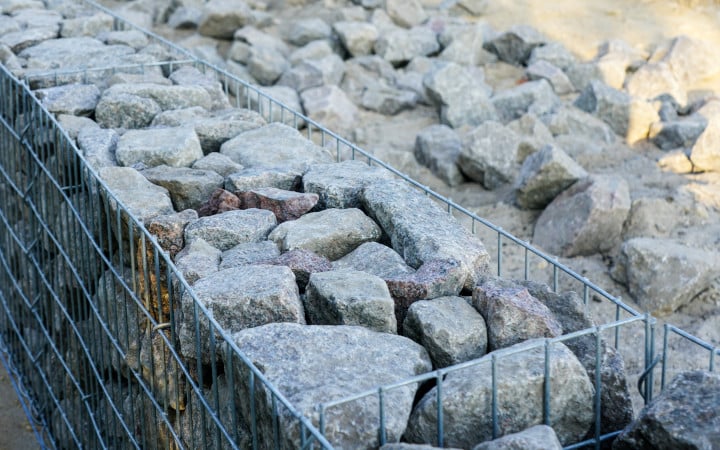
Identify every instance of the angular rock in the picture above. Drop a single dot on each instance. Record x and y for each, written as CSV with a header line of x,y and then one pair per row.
x,y
314,72
219,201
533,133
142,198
75,99
400,46
132,38
226,230
123,110
663,275
239,298
303,31
349,360
388,100
358,38
74,124
449,328
512,315
175,147
421,231
516,45
18,41
539,437
690,59
98,146
536,97
303,263
577,122
313,50
363,72
467,401
167,97
222,18
332,233
87,25
276,113
249,253
376,259
544,175
680,133
654,79
582,73
543,70
651,217
330,106
406,13
197,260
189,188
258,177
286,205
218,163
349,297
438,148
340,185
266,64
489,154
169,230
598,205
190,76
705,154
684,415
555,53
274,146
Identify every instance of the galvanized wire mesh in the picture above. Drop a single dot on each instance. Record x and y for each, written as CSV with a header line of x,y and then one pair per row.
x,y
90,298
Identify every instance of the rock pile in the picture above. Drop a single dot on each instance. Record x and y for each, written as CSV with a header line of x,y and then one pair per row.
x,y
366,276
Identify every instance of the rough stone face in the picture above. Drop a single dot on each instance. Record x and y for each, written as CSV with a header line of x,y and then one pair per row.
x,y
219,201
536,97
704,154
284,94
340,185
573,121
266,64
435,278
539,437
331,354
231,228
489,154
364,72
512,315
73,124
330,106
122,110
303,31
174,147
516,45
189,188
131,38
438,148
388,100
197,260
239,298
406,13
467,399
544,175
332,233
98,146
543,70
358,38
258,177
315,72
663,275
449,328
654,79
218,163
349,297
533,133
303,263
397,207
169,230
121,97
680,133
684,415
286,205
274,146
555,53
222,18
598,206
18,41
249,253
190,76
400,46
75,99
376,259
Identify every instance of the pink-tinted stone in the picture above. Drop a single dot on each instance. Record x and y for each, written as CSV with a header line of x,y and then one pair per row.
x,y
219,202
302,263
286,205
169,230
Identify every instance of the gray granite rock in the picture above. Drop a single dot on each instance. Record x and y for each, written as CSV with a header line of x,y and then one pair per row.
x,y
438,148
98,146
678,133
538,437
406,13
274,146
218,163
599,206
449,328
220,18
400,46
467,399
239,298
663,275
190,76
226,230
690,59
544,175
122,110
18,41
266,64
197,260
582,73
421,231
684,415
654,79
350,297
358,38
303,263
489,154
466,47
188,188
75,99
572,121
349,360
169,230
555,53
533,133
375,259
330,106
536,97
340,185
332,233
248,179
303,31
185,17
249,253
175,147
543,70
516,45
705,153
388,100
608,104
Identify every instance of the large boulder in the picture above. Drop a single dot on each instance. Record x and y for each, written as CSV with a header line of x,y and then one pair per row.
x,y
467,398
330,106
421,231
516,45
349,360
249,253
598,207
220,18
75,99
539,437
238,298
400,46
685,415
286,205
197,260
